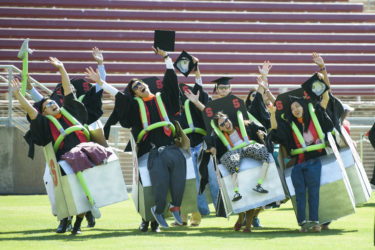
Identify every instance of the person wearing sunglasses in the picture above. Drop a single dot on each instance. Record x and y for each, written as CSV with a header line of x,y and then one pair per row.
x,y
43,131
166,163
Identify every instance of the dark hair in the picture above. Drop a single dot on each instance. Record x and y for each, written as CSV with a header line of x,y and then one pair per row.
x,y
129,87
305,115
217,116
247,100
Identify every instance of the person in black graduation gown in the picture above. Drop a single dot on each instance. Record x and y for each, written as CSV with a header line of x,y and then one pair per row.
x,y
166,163
42,129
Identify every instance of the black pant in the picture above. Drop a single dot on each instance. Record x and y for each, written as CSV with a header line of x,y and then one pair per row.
x,y
167,167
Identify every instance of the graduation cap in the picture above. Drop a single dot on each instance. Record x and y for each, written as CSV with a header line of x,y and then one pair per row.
x,y
164,40
184,63
221,81
315,87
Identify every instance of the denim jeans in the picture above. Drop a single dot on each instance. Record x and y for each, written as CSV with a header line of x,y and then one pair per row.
x,y
306,175
212,181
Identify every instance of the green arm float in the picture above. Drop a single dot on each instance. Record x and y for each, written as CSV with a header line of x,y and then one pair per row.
x,y
154,126
242,126
67,132
25,70
161,107
85,188
307,149
252,118
191,128
143,112
81,98
221,135
316,122
299,135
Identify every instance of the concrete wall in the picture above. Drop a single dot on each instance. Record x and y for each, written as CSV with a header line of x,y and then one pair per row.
x,y
18,173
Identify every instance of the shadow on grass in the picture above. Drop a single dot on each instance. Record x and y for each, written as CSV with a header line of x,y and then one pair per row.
x,y
87,234
368,205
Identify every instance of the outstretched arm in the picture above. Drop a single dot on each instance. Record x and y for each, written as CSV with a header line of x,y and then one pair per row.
x,y
35,95
194,99
265,87
318,60
266,67
26,105
98,57
198,78
272,110
95,76
64,75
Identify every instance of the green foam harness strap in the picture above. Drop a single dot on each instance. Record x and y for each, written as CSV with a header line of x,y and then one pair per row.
x,y
63,133
300,137
252,118
224,140
189,119
81,98
145,122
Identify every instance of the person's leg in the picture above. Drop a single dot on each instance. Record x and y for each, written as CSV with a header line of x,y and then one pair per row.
x,y
77,224
231,160
159,176
201,199
300,190
195,219
249,219
239,222
213,182
144,226
312,178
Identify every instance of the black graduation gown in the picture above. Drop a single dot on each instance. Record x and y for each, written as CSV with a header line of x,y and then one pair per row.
x,y
40,127
259,110
126,111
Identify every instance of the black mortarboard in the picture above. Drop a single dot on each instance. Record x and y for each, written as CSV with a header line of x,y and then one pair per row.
x,y
315,87
164,39
184,63
221,81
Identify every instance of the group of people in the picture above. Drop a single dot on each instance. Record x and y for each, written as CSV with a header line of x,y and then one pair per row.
x,y
137,108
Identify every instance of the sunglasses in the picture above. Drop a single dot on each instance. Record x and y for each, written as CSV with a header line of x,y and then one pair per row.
x,y
223,87
49,104
137,85
223,123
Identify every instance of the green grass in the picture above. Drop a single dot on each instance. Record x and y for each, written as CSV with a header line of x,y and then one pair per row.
x,y
26,223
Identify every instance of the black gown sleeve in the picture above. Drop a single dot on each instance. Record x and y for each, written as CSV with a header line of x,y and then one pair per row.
x,y
40,131
75,108
93,104
170,93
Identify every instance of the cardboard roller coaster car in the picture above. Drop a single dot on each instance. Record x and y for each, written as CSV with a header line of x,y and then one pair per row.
x,y
102,185
343,184
249,171
142,192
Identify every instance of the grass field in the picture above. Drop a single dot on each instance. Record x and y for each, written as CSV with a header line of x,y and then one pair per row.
x,y
26,223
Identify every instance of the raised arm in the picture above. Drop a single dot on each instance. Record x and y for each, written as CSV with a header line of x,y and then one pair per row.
x,y
35,95
98,57
95,76
64,75
265,87
272,110
266,67
194,99
26,105
318,60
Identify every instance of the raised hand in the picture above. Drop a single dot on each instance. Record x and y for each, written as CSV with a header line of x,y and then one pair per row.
x,y
262,83
195,60
159,51
98,56
271,109
318,60
266,67
93,75
193,98
16,86
29,85
55,62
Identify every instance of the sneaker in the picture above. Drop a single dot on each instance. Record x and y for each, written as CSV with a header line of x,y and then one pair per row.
x,y
237,226
309,224
236,197
258,188
303,230
77,226
62,228
324,227
144,226
176,213
155,227
256,222
159,218
90,219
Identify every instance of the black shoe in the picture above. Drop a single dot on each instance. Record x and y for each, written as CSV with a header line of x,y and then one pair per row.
x,y
77,226
155,227
90,219
144,226
237,197
62,228
69,226
259,189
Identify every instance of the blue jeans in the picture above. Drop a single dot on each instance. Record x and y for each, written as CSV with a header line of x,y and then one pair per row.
x,y
306,175
212,181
